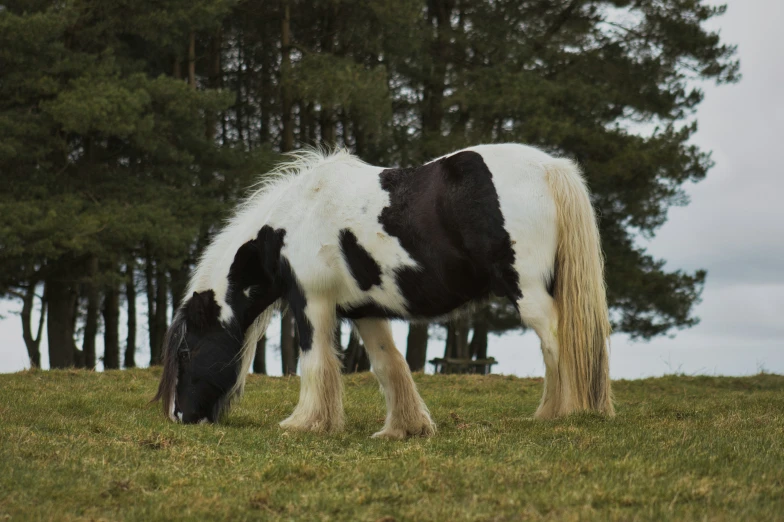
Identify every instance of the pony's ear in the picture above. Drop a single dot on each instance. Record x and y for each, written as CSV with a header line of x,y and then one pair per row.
x,y
202,311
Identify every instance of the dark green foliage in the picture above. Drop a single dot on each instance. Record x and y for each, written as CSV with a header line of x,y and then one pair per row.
x,y
104,155
128,129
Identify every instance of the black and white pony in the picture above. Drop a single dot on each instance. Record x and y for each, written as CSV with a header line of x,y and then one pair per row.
x,y
332,237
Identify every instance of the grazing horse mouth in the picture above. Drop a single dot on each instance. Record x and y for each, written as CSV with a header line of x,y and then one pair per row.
x,y
175,414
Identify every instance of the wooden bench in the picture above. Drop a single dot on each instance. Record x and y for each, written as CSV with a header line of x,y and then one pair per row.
x,y
452,365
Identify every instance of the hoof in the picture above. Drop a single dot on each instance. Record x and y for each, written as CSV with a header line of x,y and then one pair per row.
x,y
312,424
390,434
394,430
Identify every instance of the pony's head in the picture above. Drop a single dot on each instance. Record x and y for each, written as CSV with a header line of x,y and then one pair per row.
x,y
203,356
201,362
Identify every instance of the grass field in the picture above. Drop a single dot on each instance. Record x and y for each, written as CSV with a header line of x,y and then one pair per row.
x,y
86,446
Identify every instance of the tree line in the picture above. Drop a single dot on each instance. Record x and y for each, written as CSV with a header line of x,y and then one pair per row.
x,y
129,129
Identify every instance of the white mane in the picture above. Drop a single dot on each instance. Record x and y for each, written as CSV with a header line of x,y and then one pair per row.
x,y
300,161
251,214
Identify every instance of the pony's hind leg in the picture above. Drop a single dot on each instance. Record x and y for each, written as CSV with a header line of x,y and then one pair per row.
x,y
406,412
538,311
320,406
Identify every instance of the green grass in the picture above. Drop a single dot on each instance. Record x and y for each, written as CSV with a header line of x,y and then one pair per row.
x,y
76,445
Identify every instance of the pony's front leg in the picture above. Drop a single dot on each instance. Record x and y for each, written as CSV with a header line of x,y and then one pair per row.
x,y
320,406
406,411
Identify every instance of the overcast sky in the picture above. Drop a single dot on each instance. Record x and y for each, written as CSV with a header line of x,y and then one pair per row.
x,y
734,227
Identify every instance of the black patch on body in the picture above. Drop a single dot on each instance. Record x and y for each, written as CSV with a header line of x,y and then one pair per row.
x,y
259,265
361,264
447,216
369,309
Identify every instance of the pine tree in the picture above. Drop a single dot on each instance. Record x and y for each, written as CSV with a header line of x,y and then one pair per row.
x,y
128,130
105,155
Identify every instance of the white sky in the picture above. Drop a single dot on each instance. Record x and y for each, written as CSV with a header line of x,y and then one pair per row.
x,y
734,227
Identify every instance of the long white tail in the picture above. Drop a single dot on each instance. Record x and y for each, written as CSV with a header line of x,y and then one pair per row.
x,y
580,295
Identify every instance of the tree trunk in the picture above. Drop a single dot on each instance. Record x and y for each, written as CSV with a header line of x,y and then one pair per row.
x,y
345,126
327,113
461,338
287,141
61,298
479,339
449,344
213,81
32,344
250,114
327,124
416,351
260,360
192,60
355,357
288,346
149,280
266,108
239,101
111,326
438,14
306,119
179,282
177,68
91,321
456,345
130,294
458,130
78,357
360,141
161,298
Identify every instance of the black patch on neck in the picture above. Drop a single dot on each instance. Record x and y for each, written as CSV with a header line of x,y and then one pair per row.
x,y
361,264
447,216
256,268
260,268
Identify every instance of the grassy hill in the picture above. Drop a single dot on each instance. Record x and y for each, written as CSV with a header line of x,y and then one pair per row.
x,y
76,445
